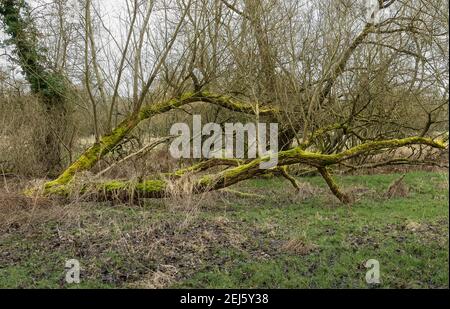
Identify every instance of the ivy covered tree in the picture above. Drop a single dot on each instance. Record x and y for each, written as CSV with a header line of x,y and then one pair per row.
x,y
49,86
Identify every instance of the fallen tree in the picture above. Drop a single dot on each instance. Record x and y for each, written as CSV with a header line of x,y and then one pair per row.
x,y
93,154
337,111
238,171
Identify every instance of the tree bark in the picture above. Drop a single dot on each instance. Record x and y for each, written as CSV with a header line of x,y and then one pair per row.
x,y
157,188
93,154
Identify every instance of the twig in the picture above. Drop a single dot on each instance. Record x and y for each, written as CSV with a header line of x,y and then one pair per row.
x,y
140,152
283,171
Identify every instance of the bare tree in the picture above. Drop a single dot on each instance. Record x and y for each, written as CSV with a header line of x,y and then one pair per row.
x,y
344,85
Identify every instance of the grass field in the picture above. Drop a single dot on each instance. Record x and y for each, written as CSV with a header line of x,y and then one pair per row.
x,y
276,238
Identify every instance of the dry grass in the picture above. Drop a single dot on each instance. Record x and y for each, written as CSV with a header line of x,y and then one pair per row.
x,y
18,211
162,243
23,130
305,192
299,246
182,198
151,253
397,189
161,278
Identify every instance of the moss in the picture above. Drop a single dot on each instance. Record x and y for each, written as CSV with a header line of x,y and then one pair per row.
x,y
91,156
108,142
187,95
319,132
206,164
344,198
225,178
239,170
298,155
151,186
393,143
165,106
148,188
54,189
233,104
114,185
207,181
231,176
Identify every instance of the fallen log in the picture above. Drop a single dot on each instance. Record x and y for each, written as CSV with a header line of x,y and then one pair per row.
x,y
129,190
94,153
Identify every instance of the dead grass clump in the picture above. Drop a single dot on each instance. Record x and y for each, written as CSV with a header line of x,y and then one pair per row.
x,y
161,278
299,246
358,192
10,202
305,192
414,226
182,198
18,211
397,189
181,195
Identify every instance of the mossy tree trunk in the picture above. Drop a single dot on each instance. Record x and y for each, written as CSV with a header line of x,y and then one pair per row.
x,y
239,171
343,197
93,154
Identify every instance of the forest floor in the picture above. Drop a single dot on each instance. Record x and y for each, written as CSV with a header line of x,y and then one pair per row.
x,y
273,238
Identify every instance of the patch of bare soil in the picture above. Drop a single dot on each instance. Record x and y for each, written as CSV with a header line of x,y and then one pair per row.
x,y
355,241
426,232
118,248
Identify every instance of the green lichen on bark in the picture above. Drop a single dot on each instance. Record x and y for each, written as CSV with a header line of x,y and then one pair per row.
x,y
157,187
234,104
165,106
126,190
343,197
204,165
386,144
91,156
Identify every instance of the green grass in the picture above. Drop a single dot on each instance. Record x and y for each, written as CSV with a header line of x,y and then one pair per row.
x,y
242,243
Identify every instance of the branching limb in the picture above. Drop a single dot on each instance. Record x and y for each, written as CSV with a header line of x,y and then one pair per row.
x,y
344,198
205,165
93,154
138,153
283,171
393,162
156,188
